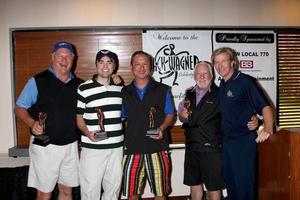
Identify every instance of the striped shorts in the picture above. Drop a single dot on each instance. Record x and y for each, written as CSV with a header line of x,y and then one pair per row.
x,y
156,167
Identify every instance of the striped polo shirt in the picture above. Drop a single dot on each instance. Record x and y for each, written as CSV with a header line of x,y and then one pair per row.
x,y
93,95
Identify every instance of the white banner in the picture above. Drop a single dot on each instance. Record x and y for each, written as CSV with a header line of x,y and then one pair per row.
x,y
256,51
175,54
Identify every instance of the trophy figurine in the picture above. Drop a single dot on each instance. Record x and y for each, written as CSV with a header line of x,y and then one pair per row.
x,y
187,106
43,139
152,131
100,134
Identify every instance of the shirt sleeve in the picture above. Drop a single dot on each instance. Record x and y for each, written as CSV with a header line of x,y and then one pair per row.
x,y
123,112
169,108
81,105
28,96
258,98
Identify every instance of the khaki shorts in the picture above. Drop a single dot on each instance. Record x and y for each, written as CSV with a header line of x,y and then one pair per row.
x,y
53,164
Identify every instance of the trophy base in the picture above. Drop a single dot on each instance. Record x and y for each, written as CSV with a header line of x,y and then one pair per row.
x,y
41,140
101,135
152,132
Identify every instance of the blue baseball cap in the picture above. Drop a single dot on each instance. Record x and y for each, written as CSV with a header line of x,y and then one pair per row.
x,y
62,44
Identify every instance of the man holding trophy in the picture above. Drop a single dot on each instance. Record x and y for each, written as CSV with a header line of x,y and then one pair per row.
x,y
149,111
47,105
43,139
99,119
201,116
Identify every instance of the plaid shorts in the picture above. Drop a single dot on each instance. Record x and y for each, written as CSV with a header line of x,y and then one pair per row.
x,y
156,167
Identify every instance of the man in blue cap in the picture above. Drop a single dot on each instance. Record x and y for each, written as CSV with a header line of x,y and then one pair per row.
x,y
52,93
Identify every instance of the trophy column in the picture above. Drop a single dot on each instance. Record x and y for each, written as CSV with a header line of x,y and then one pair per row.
x,y
101,133
43,139
152,131
187,106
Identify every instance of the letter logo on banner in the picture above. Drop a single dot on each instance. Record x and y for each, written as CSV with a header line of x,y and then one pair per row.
x,y
246,64
175,54
168,62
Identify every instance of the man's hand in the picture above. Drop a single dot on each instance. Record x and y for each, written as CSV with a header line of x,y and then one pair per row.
x,y
91,135
262,136
184,114
159,136
253,123
37,128
116,79
264,132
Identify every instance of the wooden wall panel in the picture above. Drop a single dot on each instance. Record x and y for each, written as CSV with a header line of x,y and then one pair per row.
x,y
32,54
177,135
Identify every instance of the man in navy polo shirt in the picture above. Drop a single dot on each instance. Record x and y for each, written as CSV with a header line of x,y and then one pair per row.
x,y
240,98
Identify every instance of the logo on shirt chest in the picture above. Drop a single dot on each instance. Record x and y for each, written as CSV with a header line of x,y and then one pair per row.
x,y
209,102
229,94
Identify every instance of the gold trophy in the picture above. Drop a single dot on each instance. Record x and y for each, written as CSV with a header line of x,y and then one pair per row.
x,y
187,106
152,131
43,139
100,134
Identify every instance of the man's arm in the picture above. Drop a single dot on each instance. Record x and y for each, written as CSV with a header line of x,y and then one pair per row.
x,y
83,128
268,124
169,119
24,115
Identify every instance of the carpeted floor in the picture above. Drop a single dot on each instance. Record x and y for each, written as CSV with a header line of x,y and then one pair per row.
x,y
13,186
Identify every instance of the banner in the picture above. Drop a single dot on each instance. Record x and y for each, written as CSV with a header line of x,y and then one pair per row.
x,y
256,51
175,54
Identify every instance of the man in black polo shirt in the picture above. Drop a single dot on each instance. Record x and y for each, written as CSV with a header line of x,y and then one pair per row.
x,y
240,98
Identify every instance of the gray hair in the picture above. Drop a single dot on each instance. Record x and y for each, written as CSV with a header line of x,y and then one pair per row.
x,y
209,66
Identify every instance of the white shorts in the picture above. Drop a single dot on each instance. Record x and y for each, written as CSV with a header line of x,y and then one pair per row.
x,y
53,164
100,168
